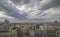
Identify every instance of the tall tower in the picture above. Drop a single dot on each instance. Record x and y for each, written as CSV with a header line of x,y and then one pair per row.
x,y
6,21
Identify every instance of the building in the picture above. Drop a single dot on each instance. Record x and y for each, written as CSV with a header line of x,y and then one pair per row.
x,y
21,29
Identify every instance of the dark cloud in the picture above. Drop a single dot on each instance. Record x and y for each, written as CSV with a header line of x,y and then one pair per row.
x,y
26,1
52,4
12,11
49,5
17,2
20,2
1,9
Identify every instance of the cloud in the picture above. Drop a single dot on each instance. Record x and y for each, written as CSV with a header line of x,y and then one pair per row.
x,y
50,14
46,4
17,2
4,16
36,10
46,10
20,2
11,10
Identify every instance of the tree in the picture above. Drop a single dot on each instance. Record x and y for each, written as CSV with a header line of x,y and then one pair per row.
x,y
55,21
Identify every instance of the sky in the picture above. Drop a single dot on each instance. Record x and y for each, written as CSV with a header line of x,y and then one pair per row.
x,y
30,10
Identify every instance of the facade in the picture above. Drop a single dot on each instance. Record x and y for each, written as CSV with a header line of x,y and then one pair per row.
x,y
4,34
12,33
